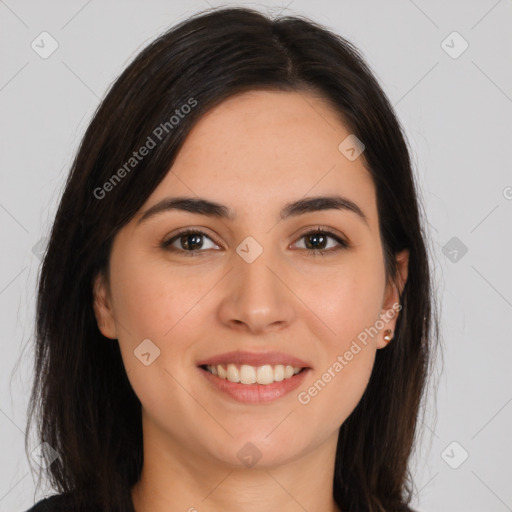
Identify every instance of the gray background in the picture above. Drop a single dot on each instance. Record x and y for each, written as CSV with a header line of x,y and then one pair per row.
x,y
456,113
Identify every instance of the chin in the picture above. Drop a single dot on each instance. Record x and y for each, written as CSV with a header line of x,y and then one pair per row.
x,y
257,450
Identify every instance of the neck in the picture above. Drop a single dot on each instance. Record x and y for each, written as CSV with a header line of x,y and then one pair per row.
x,y
175,479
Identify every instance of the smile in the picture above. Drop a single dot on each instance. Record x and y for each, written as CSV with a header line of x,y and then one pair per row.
x,y
247,374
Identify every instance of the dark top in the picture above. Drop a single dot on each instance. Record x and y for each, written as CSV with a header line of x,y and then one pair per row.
x,y
57,503
61,503
51,504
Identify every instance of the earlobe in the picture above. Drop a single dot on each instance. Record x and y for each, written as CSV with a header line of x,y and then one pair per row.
x,y
102,306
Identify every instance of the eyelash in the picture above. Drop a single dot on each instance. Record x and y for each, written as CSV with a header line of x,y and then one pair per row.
x,y
166,244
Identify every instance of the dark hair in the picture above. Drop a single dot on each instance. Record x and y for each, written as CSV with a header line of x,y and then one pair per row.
x,y
84,403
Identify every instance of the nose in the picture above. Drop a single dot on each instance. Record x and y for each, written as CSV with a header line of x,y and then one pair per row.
x,y
258,299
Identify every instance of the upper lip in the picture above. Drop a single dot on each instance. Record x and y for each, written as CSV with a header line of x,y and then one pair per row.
x,y
254,359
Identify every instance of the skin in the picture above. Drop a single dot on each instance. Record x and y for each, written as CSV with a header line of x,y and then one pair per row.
x,y
254,153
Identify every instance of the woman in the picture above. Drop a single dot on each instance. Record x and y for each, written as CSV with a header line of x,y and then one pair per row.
x,y
235,308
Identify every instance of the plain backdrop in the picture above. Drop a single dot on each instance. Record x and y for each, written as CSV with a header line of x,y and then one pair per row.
x,y
446,67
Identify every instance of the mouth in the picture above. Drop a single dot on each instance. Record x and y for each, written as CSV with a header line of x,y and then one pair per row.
x,y
254,377
247,374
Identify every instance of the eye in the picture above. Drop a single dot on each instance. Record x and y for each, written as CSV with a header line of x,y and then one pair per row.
x,y
316,240
189,240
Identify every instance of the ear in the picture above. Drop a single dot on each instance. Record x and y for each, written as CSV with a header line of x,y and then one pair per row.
x,y
391,305
102,305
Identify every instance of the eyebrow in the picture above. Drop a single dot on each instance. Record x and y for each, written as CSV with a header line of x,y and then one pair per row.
x,y
202,206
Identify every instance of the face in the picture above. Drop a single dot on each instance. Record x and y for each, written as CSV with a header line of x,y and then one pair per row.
x,y
253,284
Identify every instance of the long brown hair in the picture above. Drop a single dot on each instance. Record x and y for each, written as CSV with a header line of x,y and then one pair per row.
x,y
82,400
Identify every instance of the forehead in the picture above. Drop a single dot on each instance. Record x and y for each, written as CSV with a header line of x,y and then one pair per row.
x,y
265,147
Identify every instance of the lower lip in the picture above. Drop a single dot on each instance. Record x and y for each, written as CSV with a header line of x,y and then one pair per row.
x,y
255,393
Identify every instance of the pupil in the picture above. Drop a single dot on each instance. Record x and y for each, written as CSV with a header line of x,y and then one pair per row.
x,y
316,237
196,240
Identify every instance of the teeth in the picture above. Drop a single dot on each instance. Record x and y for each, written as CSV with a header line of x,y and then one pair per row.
x,y
265,374
233,373
246,374
279,373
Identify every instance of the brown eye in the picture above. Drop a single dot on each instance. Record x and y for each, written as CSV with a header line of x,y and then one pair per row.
x,y
189,241
316,242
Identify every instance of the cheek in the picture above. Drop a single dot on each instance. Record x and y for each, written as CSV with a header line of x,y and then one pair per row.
x,y
348,352
149,299
334,392
349,305
351,300
152,303
165,305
